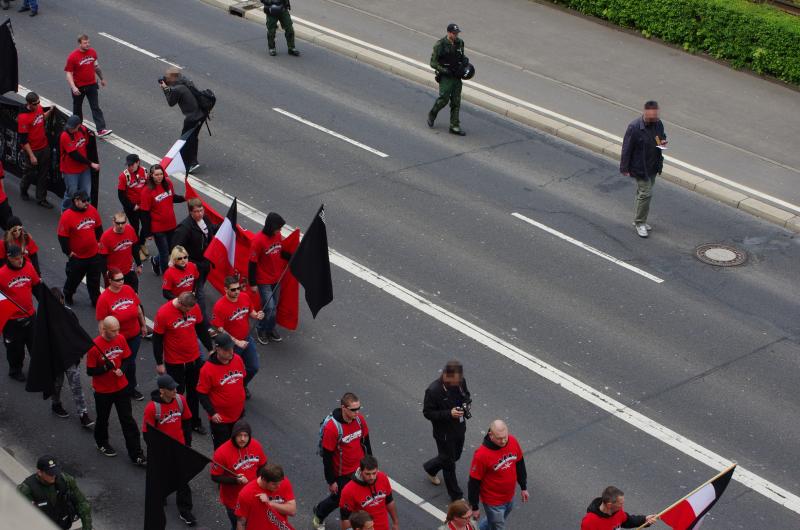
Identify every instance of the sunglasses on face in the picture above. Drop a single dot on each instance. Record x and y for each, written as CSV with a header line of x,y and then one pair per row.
x,y
120,279
180,258
234,289
353,409
120,223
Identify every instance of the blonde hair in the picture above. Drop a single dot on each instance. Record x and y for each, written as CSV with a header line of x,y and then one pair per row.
x,y
177,251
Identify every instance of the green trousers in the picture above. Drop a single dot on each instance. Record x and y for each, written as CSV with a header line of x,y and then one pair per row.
x,y
644,192
272,26
449,91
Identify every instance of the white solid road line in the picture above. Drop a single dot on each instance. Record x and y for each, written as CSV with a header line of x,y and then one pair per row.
x,y
332,133
138,49
545,370
588,248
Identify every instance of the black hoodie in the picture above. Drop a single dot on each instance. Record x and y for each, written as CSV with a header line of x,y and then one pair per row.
x,y
344,513
474,486
632,521
239,426
327,456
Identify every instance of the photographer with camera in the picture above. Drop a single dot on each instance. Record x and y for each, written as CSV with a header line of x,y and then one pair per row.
x,y
447,406
180,90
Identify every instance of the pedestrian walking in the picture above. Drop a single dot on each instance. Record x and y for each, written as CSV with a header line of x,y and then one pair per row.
x,y
181,276
56,494
119,246
5,208
221,389
344,441
459,516
361,520
266,502
448,61
371,491
268,261
446,406
177,331
194,233
158,214
497,466
17,235
232,314
79,231
642,159
29,5
169,413
74,163
180,90
607,512
131,182
17,282
242,454
33,140
277,11
104,365
83,72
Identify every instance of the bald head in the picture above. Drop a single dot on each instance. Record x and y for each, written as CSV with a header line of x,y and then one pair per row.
x,y
109,327
498,432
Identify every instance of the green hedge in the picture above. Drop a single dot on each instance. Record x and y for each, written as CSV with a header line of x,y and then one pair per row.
x,y
745,34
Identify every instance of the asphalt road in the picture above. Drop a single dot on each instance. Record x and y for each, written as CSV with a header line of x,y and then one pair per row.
x,y
710,353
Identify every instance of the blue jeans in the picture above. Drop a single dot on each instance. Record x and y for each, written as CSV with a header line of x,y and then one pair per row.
x,y
267,324
250,357
33,4
76,182
163,241
495,516
129,364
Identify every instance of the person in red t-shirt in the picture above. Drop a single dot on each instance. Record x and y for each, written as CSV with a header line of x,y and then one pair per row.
x,y
83,71
131,182
345,441
120,247
5,208
267,502
33,140
104,365
79,230
158,215
497,466
371,491
268,260
17,235
74,163
181,276
17,281
607,512
243,455
177,327
221,388
232,314
169,413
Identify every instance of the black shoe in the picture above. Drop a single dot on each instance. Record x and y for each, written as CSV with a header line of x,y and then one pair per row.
x,y
294,51
457,131
156,267
137,396
23,9
17,376
194,167
263,338
24,196
33,13
140,460
86,421
68,299
59,411
431,119
247,394
274,337
4,5
189,518
272,52
107,450
199,429
44,203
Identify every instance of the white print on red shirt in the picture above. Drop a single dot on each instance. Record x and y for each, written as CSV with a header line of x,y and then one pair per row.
x,y
19,281
86,224
246,462
113,352
274,248
80,142
122,245
122,304
186,280
85,61
239,313
505,462
231,378
38,120
163,195
172,416
374,500
185,322
352,436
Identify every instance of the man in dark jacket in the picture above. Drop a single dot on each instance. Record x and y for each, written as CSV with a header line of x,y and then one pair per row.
x,y
278,11
56,494
177,90
446,406
447,61
642,159
194,234
607,513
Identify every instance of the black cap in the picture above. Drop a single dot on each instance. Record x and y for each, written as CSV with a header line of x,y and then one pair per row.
x,y
14,221
73,121
48,464
453,28
224,341
131,159
13,251
80,194
166,381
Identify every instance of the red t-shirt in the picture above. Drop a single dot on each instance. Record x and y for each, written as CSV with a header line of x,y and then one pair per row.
x,y
132,185
233,317
123,305
371,499
180,337
75,142
592,521
115,351
32,123
179,281
79,228
170,421
28,249
158,202
224,384
245,461
265,252
118,248
82,64
350,445
258,514
18,286
497,471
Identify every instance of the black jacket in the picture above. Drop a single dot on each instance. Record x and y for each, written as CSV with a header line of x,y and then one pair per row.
x,y
438,403
188,235
640,156
634,521
180,94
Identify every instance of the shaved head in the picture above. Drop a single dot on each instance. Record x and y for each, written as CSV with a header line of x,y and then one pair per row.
x,y
498,432
110,323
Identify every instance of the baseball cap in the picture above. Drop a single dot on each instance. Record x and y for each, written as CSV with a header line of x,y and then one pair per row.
x,y
13,251
224,341
49,465
131,159
166,381
73,121
453,28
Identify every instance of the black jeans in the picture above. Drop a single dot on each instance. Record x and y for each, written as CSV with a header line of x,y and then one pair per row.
x,y
189,151
17,334
90,92
132,279
122,402
5,214
37,174
187,375
76,269
232,517
220,433
327,505
135,220
449,449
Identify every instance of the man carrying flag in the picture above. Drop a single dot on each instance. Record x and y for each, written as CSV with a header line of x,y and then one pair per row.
x,y
607,513
267,266
311,264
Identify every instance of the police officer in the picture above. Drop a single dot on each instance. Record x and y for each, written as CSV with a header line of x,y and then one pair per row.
x,y
448,61
278,11
56,494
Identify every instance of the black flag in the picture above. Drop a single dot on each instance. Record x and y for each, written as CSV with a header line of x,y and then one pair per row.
x,y
311,265
170,465
59,342
9,70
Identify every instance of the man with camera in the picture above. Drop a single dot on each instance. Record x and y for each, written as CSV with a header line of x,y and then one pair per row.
x,y
178,91
447,406
450,64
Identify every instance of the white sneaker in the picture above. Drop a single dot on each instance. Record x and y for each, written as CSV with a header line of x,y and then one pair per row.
x,y
641,230
647,227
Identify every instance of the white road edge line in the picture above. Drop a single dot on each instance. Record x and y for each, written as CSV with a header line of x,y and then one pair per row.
x,y
138,49
588,248
332,133
545,370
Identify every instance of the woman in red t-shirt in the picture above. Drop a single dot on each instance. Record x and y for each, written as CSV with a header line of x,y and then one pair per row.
x,y
158,214
17,235
181,275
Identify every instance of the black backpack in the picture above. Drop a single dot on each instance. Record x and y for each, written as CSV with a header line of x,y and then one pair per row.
x,y
205,98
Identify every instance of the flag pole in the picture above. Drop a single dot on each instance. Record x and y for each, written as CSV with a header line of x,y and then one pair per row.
x,y
16,304
698,488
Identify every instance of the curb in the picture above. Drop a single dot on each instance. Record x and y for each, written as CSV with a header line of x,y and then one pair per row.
x,y
517,110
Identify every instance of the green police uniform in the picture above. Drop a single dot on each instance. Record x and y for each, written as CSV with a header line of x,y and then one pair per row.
x,y
60,501
445,60
278,11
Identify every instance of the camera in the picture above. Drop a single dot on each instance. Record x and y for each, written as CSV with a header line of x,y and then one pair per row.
x,y
162,79
465,408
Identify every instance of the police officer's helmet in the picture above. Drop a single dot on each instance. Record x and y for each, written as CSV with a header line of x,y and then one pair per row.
x,y
469,72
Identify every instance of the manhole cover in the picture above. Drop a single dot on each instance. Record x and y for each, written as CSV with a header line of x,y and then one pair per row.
x,y
720,255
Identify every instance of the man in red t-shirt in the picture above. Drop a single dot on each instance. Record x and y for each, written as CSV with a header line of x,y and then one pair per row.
x,y
33,140
17,280
221,388
74,163
82,72
371,491
104,366
120,247
267,502
129,192
177,327
498,465
79,230
268,260
607,512
243,455
345,441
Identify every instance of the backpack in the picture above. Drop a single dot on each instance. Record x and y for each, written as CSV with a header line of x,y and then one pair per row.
x,y
340,433
205,98
158,407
